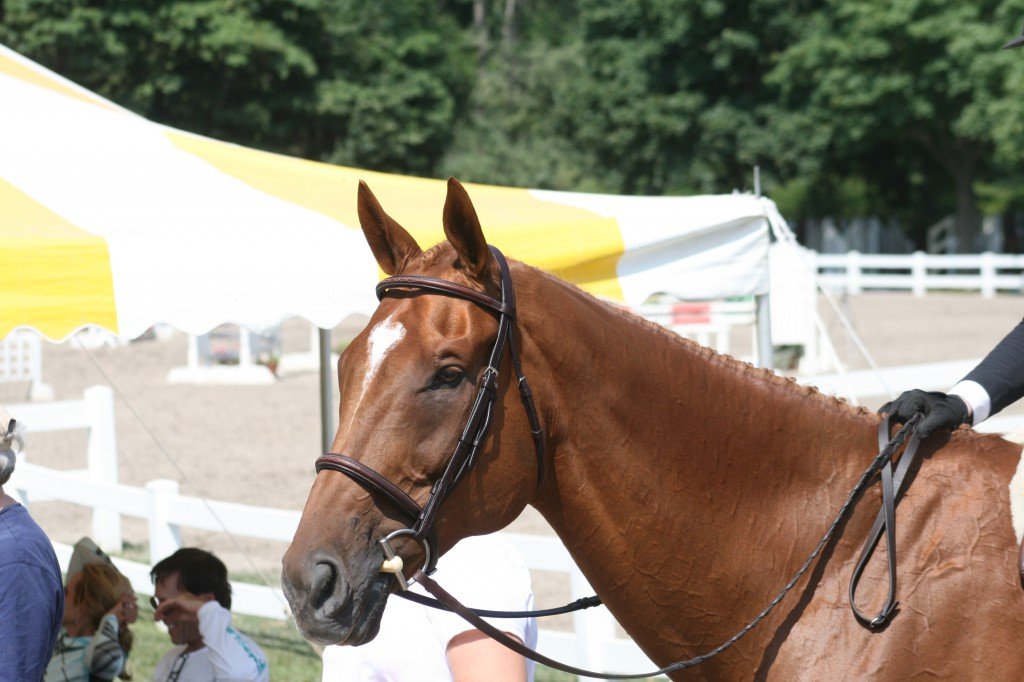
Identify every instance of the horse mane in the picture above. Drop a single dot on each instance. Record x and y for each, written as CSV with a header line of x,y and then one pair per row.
x,y
750,372
711,356
787,385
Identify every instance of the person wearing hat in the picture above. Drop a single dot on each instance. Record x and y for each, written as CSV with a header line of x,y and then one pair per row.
x,y
31,593
99,607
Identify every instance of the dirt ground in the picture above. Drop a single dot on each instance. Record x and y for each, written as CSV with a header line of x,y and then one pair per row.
x,y
256,444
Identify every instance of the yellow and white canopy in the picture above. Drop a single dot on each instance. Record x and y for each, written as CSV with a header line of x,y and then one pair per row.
x,y
109,219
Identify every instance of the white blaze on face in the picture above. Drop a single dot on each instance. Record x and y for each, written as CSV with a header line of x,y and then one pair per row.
x,y
383,338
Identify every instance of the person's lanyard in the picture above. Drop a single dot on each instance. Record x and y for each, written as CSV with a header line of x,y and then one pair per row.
x,y
179,664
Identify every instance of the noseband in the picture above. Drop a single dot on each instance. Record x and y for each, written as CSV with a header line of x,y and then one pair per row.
x,y
421,519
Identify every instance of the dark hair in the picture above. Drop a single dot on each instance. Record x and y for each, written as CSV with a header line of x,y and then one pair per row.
x,y
198,571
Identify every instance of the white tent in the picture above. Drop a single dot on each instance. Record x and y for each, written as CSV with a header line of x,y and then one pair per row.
x,y
108,219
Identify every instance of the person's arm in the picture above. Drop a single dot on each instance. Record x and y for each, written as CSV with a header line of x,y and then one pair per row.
x,y
472,656
104,654
485,572
231,656
996,382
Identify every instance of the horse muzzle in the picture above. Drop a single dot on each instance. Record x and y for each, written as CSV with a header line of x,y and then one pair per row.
x,y
331,606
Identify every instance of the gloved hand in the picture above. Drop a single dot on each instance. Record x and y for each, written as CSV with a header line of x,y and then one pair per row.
x,y
941,412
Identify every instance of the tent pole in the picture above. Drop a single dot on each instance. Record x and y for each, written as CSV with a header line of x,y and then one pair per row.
x,y
765,351
326,397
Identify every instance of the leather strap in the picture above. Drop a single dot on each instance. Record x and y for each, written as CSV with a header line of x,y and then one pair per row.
x,y
892,488
475,432
452,604
444,287
884,456
578,605
371,480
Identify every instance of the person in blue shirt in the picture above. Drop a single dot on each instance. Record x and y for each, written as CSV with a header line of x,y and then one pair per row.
x,y
31,592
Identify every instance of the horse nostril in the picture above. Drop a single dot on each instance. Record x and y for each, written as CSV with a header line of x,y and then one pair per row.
x,y
323,581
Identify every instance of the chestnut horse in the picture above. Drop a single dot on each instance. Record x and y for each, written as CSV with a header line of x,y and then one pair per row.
x,y
688,486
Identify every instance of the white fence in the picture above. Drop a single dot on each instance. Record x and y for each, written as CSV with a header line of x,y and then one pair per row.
x,y
94,412
21,359
593,644
918,272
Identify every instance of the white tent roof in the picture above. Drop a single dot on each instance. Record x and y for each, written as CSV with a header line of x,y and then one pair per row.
x,y
109,219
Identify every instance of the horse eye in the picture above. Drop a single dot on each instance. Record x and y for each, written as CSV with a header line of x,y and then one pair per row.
x,y
448,376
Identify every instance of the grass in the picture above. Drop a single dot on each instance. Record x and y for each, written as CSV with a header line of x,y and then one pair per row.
x,y
290,657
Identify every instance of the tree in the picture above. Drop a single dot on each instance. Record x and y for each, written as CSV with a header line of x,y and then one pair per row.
x,y
910,96
375,85
398,77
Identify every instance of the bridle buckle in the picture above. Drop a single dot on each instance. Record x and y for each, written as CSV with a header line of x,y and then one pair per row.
x,y
393,562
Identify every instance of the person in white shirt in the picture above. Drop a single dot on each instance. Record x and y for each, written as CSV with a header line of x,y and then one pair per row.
x,y
193,598
422,644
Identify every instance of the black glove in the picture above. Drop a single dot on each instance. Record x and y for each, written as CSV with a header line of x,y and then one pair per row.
x,y
941,412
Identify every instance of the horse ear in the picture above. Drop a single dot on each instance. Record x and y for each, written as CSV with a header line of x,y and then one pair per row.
x,y
462,227
391,245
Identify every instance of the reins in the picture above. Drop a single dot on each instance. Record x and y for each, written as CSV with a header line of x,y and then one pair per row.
x,y
882,462
421,519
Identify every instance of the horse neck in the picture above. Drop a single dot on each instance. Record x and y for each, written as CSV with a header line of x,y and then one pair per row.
x,y
659,444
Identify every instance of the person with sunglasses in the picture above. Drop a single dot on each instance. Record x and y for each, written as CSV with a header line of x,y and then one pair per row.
x,y
193,599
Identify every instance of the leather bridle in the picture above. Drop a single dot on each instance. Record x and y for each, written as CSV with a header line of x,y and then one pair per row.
x,y
422,520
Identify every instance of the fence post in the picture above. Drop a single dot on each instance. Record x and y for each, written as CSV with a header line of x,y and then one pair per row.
x,y
853,272
918,273
988,274
101,461
193,351
164,537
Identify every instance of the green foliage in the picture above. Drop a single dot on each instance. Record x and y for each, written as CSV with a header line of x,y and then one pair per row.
x,y
913,97
400,74
518,128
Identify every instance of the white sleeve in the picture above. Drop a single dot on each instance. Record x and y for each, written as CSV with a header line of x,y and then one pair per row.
x,y
233,655
485,572
976,397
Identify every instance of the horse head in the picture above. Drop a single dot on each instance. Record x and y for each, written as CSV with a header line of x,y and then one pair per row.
x,y
408,384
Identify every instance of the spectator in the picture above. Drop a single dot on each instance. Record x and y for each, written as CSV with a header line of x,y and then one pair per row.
x,y
95,640
31,595
193,598
424,644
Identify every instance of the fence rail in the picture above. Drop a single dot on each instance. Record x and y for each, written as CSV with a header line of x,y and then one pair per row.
x,y
593,643
918,272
